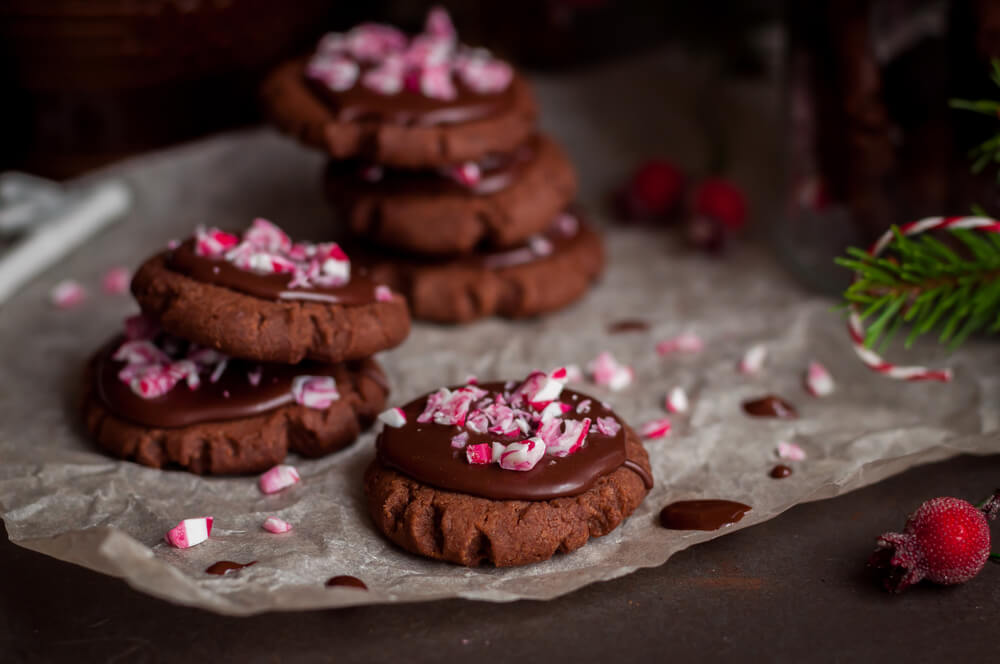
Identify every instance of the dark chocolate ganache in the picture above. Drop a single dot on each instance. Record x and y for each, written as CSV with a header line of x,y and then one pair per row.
x,y
701,514
223,567
232,396
770,406
269,286
424,452
346,581
780,471
497,172
410,108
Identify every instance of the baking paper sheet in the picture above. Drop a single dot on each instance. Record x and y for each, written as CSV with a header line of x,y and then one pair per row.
x,y
61,497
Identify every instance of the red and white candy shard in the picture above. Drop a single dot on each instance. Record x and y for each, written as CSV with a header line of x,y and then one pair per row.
x,y
116,280
213,243
468,174
571,439
656,429
67,294
583,407
685,343
335,265
383,294
753,360
791,451
394,417
460,440
523,455
315,391
254,375
278,478
479,454
385,80
273,524
819,382
190,532
485,75
677,401
372,42
337,72
435,83
608,372
438,24
608,426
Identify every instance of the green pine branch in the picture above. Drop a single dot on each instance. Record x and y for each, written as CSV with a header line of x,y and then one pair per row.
x,y
953,291
988,151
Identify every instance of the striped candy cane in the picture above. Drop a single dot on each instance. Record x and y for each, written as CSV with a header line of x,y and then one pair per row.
x,y
855,326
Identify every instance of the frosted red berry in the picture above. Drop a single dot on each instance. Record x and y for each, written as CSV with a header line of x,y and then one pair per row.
x,y
946,541
653,191
720,199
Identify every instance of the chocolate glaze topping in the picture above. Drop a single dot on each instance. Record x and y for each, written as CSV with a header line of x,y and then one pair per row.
x,y
424,452
227,566
410,108
231,397
219,272
344,580
628,325
780,471
702,514
497,171
770,406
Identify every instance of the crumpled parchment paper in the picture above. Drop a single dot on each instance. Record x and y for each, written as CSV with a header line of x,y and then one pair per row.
x,y
61,497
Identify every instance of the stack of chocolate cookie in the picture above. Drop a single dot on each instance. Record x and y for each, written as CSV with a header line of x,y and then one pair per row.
x,y
453,197
248,347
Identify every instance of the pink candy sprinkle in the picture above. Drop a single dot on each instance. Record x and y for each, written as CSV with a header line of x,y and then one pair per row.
x,y
677,401
212,242
791,451
485,75
468,174
67,294
190,532
608,426
439,23
273,524
753,360
278,478
394,417
523,455
819,382
608,372
116,280
478,454
685,343
655,429
383,294
315,391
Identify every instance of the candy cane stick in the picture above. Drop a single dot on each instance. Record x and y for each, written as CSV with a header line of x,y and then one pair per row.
x,y
855,326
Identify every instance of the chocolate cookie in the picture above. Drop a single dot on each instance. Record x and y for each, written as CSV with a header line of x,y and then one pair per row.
x,y
496,203
244,419
373,93
547,273
269,304
443,490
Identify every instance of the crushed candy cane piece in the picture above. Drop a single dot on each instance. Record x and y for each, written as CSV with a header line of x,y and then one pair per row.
x,y
266,236
436,83
684,343
573,436
213,242
523,455
384,80
116,280
819,382
573,373
278,478
394,417
485,75
608,426
220,368
479,454
791,451
656,428
438,23
335,71
273,524
254,375
190,532
460,440
677,401
67,294
608,372
315,391
583,407
383,294
753,359
468,174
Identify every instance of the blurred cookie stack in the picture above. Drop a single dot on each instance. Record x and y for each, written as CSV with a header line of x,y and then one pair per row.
x,y
452,196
